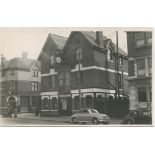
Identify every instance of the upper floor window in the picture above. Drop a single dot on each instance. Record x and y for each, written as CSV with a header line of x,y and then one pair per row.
x,y
61,79
109,55
149,37
79,54
35,86
131,67
140,38
53,60
119,81
53,81
12,86
141,67
35,72
120,61
67,78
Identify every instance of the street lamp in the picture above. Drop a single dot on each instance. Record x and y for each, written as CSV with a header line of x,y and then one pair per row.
x,y
79,58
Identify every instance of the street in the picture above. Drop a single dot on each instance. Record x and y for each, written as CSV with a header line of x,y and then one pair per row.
x,y
46,121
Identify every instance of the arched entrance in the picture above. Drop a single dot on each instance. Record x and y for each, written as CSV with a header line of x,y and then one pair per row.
x,y
12,101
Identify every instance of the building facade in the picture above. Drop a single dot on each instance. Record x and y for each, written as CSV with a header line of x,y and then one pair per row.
x,y
80,72
140,70
20,83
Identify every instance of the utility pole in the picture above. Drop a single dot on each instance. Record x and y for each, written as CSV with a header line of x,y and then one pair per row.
x,y
79,77
117,67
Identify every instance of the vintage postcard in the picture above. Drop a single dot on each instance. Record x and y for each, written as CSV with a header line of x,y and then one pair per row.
x,y
75,76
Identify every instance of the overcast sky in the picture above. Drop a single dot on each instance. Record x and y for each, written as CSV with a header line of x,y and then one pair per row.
x,y
14,41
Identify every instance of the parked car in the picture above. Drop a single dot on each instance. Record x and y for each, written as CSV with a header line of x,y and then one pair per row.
x,y
6,111
138,117
90,115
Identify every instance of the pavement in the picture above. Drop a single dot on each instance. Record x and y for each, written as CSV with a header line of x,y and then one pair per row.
x,y
32,116
44,118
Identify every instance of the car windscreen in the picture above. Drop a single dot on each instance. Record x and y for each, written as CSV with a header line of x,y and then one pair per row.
x,y
93,111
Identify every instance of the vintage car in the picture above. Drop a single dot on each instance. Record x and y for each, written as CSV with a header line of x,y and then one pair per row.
x,y
138,117
90,115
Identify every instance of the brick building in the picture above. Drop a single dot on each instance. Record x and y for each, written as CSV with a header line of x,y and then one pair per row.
x,y
83,65
140,70
20,83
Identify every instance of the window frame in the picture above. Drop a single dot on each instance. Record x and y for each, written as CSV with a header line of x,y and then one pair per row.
x,y
35,72
137,37
35,86
138,69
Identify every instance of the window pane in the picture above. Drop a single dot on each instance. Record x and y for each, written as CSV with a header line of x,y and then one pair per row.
x,y
131,65
141,67
53,81
61,79
142,95
139,38
150,65
67,78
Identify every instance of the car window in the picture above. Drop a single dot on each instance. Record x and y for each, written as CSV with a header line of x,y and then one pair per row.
x,y
85,111
93,111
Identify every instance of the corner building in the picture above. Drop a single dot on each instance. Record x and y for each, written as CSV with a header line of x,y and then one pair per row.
x,y
140,70
20,83
82,65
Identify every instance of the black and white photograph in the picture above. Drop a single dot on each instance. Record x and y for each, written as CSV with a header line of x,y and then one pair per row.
x,y
76,76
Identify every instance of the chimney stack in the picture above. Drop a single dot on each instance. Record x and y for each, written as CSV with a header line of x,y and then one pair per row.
x,y
99,38
2,59
24,55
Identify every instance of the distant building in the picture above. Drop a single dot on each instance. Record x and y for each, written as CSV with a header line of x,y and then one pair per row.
x,y
20,83
140,70
85,65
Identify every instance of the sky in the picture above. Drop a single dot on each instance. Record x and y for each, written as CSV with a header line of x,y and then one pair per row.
x,y
15,40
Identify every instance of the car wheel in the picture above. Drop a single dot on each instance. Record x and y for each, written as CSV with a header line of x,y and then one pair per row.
x,y
95,121
74,120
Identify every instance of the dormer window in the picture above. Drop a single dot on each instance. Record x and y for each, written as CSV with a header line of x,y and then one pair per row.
x,y
109,55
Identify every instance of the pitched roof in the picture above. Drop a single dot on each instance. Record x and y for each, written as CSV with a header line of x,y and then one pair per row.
x,y
20,63
59,40
91,37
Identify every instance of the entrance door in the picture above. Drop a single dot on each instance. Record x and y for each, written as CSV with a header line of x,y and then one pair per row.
x,y
25,103
65,106
12,102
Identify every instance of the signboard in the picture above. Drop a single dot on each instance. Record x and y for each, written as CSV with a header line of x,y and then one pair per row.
x,y
143,105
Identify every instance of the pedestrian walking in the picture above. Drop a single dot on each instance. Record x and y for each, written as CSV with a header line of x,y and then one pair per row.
x,y
36,112
15,112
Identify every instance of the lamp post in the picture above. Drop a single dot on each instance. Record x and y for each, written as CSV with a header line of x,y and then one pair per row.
x,y
79,57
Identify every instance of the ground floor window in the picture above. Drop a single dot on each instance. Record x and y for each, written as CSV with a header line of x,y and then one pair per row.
x,y
54,103
45,104
75,105
89,101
